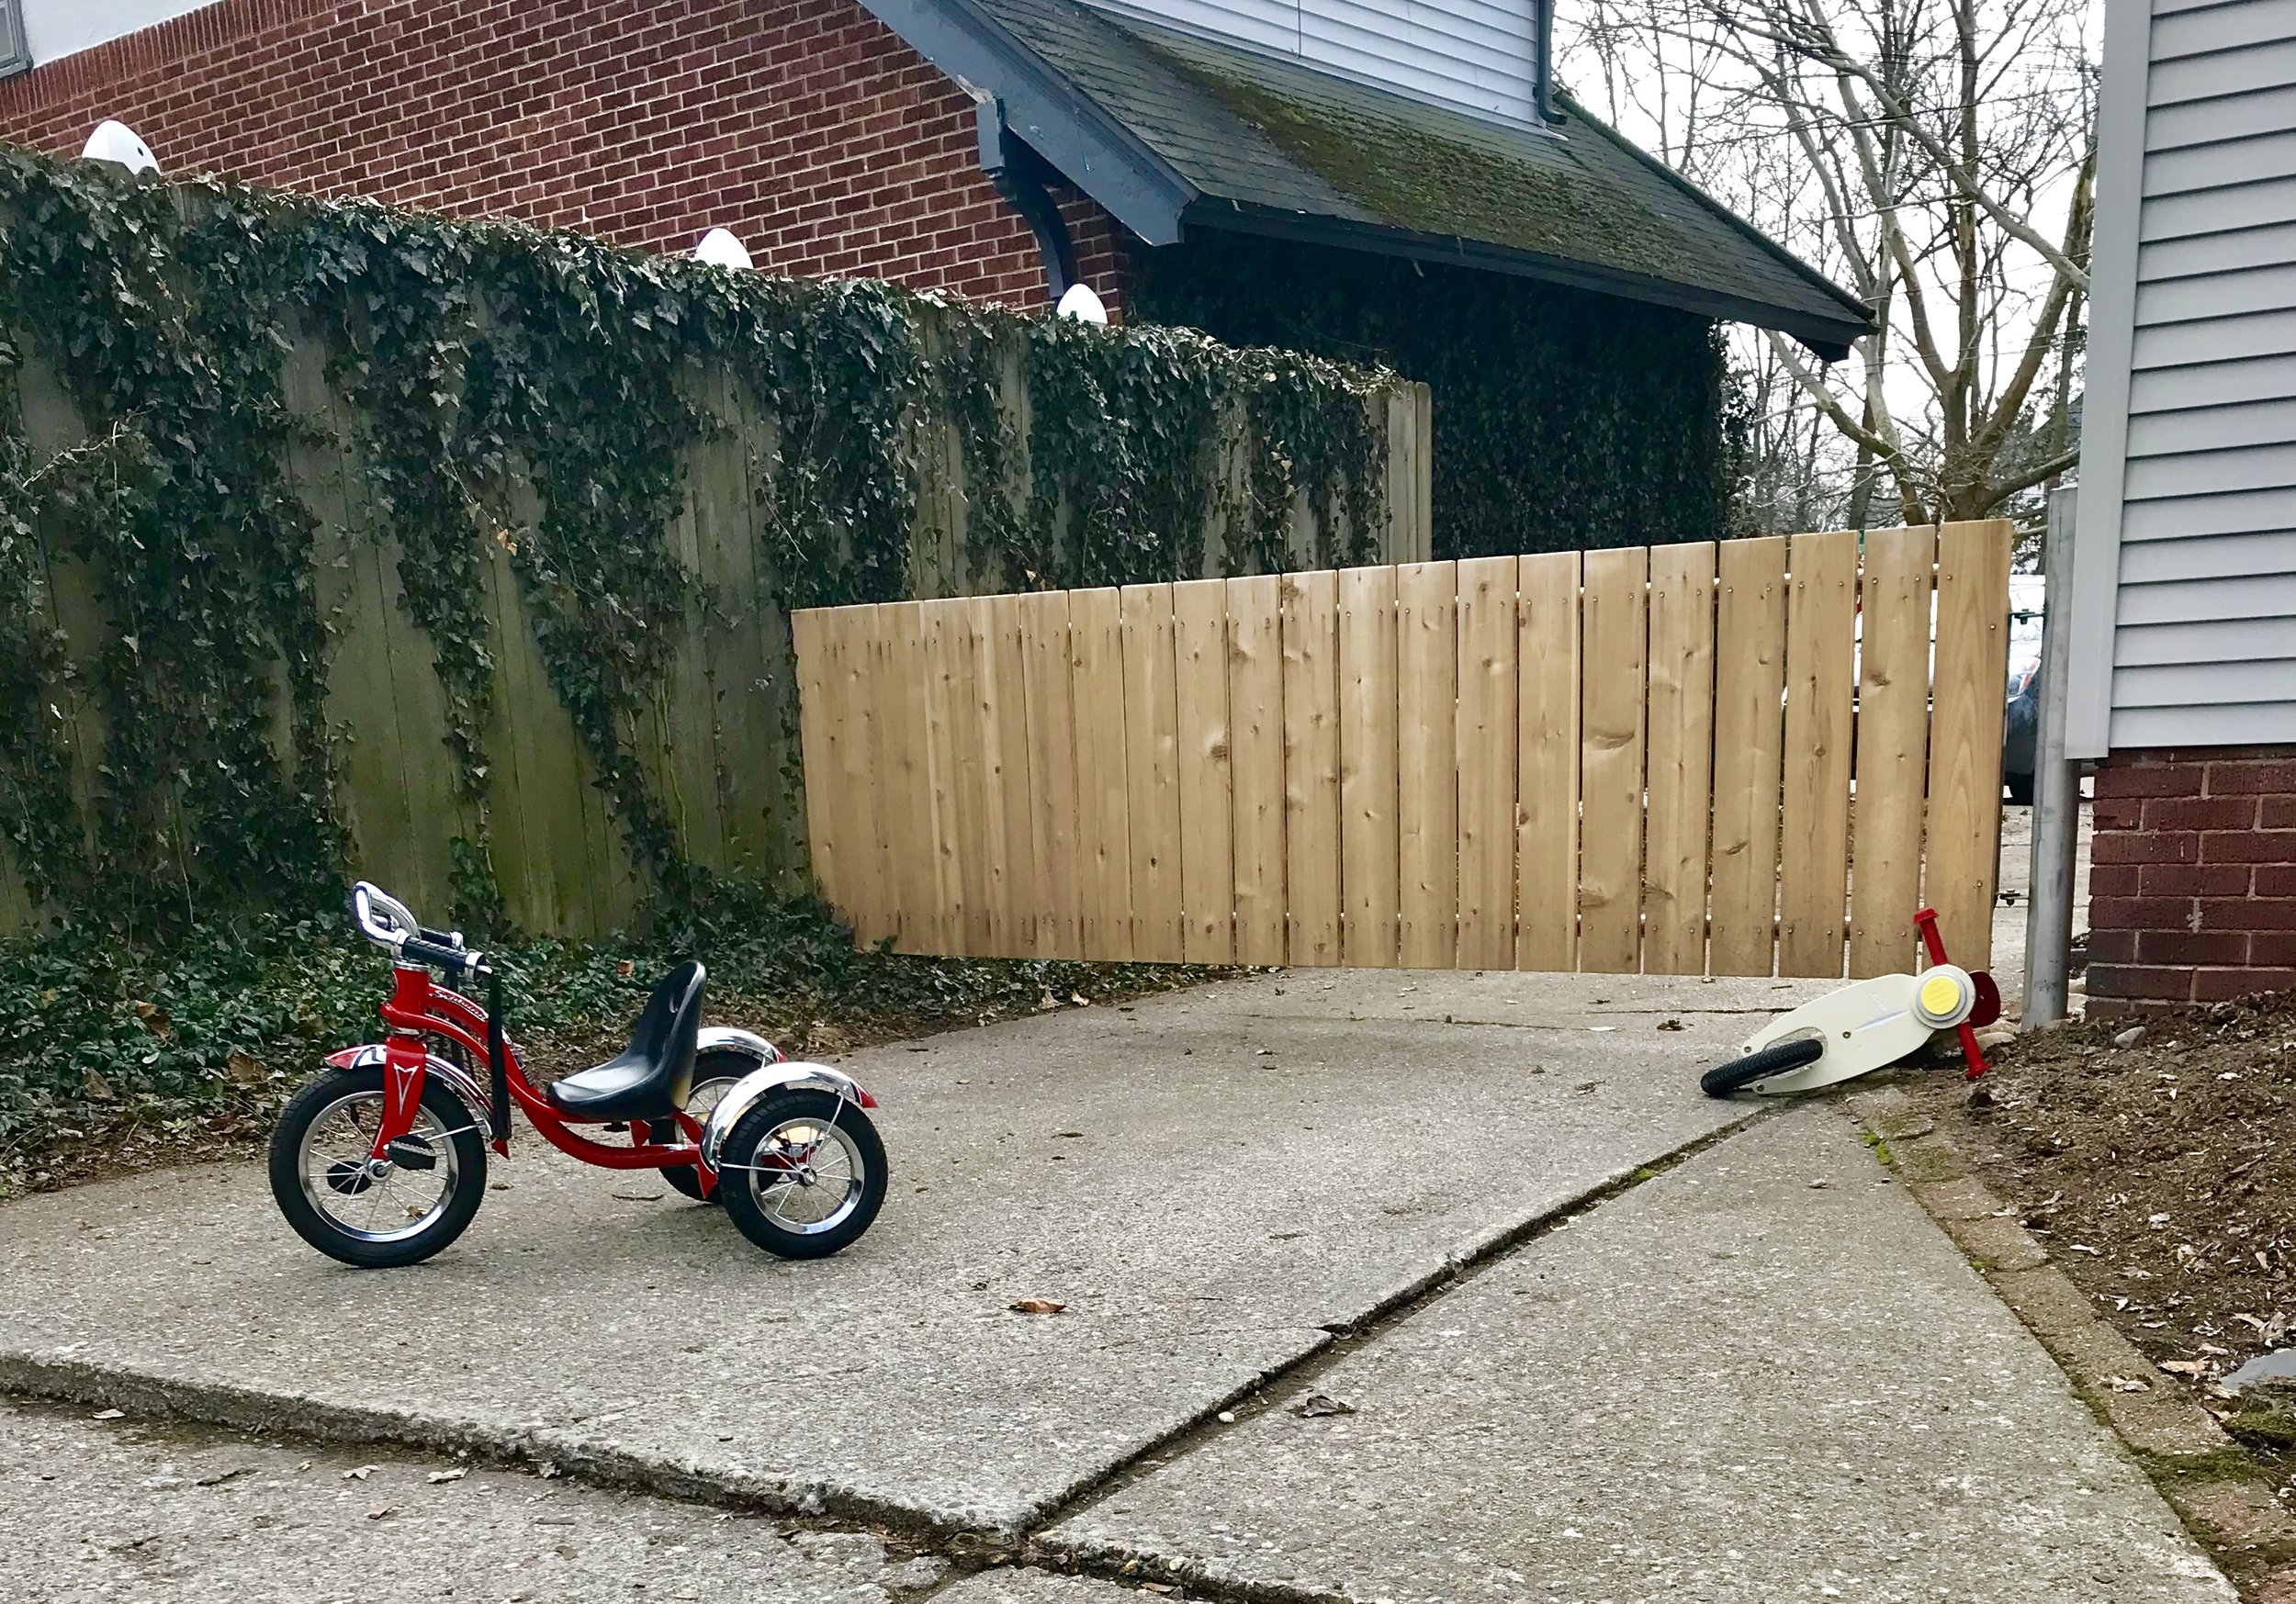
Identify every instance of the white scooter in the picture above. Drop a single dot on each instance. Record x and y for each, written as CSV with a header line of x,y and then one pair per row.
x,y
1861,1027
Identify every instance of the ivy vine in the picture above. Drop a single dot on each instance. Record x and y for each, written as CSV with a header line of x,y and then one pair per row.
x,y
528,397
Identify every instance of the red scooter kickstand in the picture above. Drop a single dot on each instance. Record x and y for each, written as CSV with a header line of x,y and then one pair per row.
x,y
1926,921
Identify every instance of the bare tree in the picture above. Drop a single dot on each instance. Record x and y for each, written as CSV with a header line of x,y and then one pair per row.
x,y
1935,156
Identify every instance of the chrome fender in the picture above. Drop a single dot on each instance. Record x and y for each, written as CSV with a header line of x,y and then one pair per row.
x,y
465,1086
745,1093
725,1038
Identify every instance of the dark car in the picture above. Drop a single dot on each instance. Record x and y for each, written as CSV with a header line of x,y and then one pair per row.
x,y
2019,733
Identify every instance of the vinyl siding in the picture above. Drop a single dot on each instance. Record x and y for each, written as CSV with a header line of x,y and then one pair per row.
x,y
2204,610
1467,54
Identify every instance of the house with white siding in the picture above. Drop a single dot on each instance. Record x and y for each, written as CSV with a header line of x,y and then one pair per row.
x,y
2181,650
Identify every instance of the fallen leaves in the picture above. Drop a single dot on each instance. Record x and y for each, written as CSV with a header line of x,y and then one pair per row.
x,y
437,1476
361,1473
1037,1305
1318,1406
244,1067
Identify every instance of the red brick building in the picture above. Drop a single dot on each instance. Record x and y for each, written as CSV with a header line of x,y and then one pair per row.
x,y
1415,192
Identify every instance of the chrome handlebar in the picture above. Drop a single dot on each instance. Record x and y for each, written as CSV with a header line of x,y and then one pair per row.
x,y
389,924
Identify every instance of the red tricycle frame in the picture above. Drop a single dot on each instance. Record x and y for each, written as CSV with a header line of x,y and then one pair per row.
x,y
419,1007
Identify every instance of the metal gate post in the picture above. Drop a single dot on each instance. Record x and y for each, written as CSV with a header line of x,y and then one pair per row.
x,y
2056,787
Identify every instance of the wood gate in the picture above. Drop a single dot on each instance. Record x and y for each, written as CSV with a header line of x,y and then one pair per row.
x,y
1658,758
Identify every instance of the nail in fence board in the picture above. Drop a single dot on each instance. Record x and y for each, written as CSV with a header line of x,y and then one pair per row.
x,y
1681,761
1610,851
1814,848
1749,743
1892,741
1962,854
1368,719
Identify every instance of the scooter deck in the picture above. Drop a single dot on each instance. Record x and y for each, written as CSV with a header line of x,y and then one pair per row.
x,y
1864,1027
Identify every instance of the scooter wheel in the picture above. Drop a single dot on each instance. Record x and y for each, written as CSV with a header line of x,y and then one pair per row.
x,y
416,1205
1776,1059
803,1173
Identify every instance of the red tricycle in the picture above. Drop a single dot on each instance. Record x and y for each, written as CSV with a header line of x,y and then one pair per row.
x,y
383,1160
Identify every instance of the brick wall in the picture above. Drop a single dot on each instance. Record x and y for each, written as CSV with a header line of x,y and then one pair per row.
x,y
2192,877
805,126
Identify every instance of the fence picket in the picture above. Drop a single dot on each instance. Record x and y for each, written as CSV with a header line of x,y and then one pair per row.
x,y
1367,713
1255,716
1055,802
1104,841
1152,772
1681,761
1748,744
1814,849
1961,858
1487,737
1892,748
1547,744
1615,645
1427,678
1199,627
1312,833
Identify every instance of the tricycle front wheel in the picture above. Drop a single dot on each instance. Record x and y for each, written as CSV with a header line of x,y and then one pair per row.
x,y
803,1173
376,1216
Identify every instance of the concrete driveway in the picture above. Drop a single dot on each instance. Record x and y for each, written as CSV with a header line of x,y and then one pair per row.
x,y
1246,1195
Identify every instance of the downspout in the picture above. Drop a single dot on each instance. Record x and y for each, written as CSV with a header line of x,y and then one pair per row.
x,y
1019,174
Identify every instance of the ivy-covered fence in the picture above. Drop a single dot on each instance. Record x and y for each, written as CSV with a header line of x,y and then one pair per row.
x,y
339,539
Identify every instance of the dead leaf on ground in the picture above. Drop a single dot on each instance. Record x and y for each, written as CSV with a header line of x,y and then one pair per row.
x,y
1158,1588
154,1018
379,1510
1672,1025
244,1066
2185,1366
97,1089
107,1415
1037,1305
1319,1406
2127,1384
437,1476
361,1473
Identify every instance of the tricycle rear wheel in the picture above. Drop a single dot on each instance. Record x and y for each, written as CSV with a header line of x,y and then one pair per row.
x,y
803,1172
706,1095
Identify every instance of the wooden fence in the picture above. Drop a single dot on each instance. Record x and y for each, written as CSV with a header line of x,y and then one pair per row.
x,y
716,746
1661,759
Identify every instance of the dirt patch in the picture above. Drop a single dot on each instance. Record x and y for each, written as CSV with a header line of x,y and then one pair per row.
x,y
2160,1174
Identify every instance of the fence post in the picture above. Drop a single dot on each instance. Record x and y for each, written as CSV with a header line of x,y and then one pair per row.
x,y
2057,788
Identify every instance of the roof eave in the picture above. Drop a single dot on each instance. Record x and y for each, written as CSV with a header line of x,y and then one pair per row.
x,y
1089,148
1827,338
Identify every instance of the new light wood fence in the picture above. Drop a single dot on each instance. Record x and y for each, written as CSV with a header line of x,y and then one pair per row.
x,y
1664,759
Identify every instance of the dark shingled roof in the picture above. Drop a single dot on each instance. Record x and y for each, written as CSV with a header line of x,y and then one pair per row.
x,y
1271,145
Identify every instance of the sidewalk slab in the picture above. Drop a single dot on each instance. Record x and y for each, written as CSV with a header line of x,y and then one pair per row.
x,y
1762,1377
1208,1180
126,1513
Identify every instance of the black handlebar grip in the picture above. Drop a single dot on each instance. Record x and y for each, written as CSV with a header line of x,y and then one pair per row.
x,y
439,937
437,956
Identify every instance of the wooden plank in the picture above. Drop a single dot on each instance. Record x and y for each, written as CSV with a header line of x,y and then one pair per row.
x,y
968,747
1546,747
1749,742
1368,838
1103,839
1151,757
1896,595
1426,798
1199,618
811,632
940,636
1055,930
1487,735
1679,767
1814,846
1964,852
1614,646
1256,718
1312,870
1012,795
909,808
857,741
